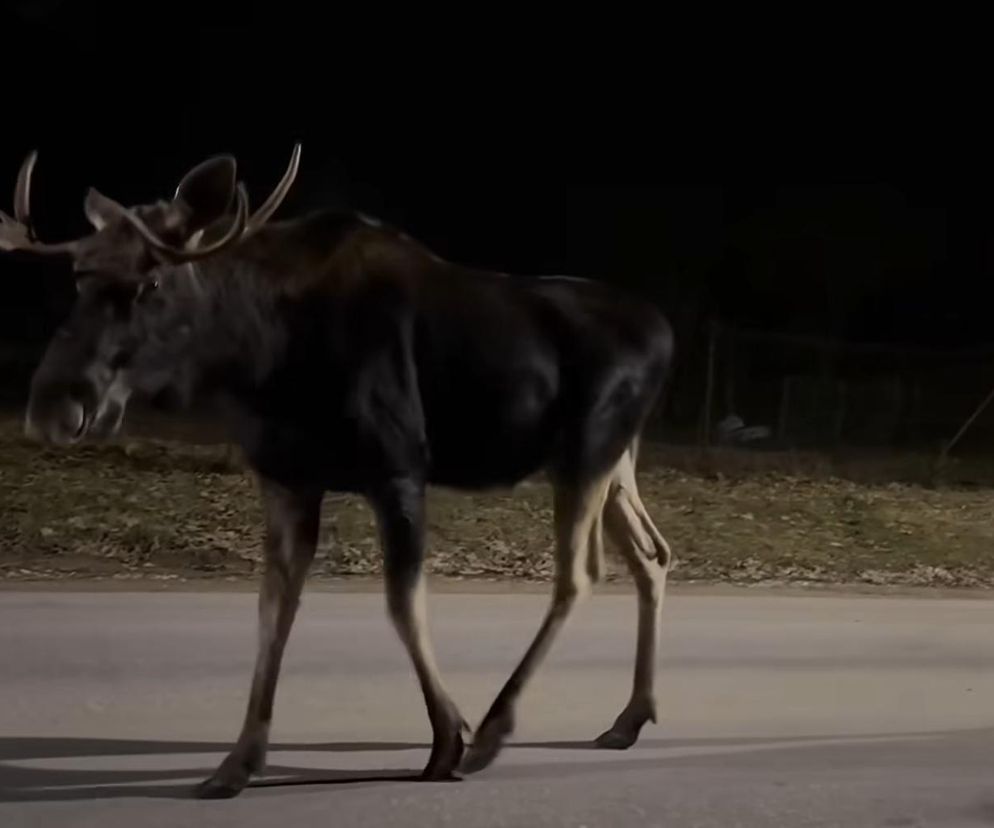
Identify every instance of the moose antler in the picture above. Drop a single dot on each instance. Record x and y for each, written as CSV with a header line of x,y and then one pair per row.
x,y
17,233
192,250
242,225
272,204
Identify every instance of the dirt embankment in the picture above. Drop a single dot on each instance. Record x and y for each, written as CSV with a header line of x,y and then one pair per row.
x,y
167,510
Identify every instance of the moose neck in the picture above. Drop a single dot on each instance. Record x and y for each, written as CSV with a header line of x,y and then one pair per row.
x,y
226,311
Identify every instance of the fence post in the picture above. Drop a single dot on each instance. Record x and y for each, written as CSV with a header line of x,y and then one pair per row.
x,y
707,414
944,454
840,413
784,409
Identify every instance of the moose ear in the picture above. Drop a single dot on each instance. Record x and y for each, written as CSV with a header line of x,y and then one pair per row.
x,y
100,210
207,190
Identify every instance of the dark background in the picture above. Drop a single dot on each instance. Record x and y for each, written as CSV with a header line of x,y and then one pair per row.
x,y
727,185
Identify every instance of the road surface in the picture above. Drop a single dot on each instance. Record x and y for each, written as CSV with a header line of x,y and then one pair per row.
x,y
776,711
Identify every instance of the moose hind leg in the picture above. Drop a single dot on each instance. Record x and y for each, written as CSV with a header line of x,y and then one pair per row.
x,y
648,558
576,508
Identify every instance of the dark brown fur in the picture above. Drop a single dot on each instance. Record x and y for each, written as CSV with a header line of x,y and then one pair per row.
x,y
351,358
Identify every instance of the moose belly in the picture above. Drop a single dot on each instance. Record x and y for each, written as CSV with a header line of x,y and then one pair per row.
x,y
481,439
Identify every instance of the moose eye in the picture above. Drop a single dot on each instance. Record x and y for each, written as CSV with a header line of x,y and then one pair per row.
x,y
145,289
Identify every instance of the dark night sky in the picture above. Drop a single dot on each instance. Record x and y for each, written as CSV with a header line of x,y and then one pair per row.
x,y
797,209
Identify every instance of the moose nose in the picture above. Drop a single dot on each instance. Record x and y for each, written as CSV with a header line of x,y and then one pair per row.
x,y
70,419
62,426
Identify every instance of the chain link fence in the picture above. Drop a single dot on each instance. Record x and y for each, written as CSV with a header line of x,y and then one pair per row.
x,y
767,390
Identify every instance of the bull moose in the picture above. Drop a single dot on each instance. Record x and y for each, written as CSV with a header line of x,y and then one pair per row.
x,y
350,358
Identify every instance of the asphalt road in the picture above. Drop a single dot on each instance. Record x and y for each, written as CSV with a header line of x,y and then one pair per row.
x,y
776,711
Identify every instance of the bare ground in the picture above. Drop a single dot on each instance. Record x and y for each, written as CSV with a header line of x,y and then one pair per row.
x,y
165,510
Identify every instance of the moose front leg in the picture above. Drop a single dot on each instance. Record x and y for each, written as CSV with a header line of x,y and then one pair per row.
x,y
399,508
292,519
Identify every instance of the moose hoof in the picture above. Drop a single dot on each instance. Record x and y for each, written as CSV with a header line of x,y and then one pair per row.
x,y
444,759
615,739
626,728
220,787
232,775
487,743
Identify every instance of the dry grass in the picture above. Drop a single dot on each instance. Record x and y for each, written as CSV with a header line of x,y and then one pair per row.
x,y
162,509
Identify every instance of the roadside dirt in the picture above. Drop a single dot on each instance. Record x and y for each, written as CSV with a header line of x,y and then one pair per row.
x,y
160,510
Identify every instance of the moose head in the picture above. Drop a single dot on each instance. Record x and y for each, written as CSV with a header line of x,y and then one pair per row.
x,y
123,332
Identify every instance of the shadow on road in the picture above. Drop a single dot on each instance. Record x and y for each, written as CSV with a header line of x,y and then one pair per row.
x,y
21,783
33,784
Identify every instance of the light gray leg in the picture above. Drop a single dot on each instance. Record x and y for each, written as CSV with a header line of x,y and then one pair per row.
x,y
576,509
292,520
648,557
399,509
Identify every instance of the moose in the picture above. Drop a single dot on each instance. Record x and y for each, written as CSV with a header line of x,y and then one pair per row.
x,y
348,357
